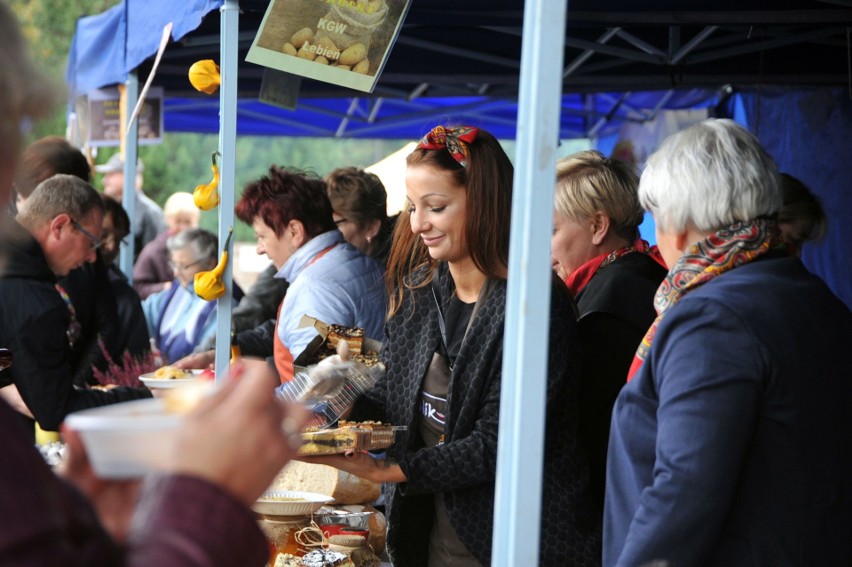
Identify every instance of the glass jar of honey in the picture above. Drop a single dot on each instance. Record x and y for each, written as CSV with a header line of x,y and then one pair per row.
x,y
281,534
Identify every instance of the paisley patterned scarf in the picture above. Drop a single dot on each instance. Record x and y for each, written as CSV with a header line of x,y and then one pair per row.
x,y
454,140
581,277
724,250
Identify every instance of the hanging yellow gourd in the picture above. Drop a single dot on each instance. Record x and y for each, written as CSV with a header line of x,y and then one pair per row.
x,y
204,76
206,196
210,285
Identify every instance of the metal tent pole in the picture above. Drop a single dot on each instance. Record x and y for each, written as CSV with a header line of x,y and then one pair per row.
x,y
130,154
517,506
229,44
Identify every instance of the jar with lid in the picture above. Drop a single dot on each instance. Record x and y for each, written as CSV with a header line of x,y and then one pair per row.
x,y
281,534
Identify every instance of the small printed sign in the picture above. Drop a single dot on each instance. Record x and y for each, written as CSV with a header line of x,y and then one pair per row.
x,y
105,125
343,42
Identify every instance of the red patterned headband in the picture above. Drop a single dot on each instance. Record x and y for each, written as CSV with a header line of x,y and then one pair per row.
x,y
454,140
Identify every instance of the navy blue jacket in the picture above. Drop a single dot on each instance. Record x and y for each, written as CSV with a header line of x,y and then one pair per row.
x,y
732,445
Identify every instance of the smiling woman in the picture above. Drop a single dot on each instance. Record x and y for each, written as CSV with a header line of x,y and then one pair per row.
x,y
443,353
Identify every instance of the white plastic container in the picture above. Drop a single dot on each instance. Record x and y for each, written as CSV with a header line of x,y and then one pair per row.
x,y
126,440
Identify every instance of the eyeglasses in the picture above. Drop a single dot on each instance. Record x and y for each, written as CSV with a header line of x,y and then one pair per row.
x,y
96,242
114,239
182,268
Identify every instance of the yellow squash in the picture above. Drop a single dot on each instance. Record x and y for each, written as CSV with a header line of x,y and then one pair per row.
x,y
210,285
206,196
204,76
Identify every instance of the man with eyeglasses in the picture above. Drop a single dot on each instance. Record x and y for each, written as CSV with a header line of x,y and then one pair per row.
x,y
57,230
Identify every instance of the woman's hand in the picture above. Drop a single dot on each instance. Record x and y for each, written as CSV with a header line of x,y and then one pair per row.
x,y
260,366
200,360
113,500
361,464
239,437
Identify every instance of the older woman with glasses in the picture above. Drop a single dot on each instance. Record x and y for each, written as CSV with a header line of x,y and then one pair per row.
x,y
178,320
359,202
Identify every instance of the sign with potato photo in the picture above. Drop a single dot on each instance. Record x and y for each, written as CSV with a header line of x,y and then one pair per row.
x,y
343,42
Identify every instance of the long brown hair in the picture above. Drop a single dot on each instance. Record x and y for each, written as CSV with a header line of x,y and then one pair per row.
x,y
487,181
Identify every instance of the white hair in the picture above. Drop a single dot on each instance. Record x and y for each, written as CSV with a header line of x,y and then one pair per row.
x,y
201,243
709,176
180,202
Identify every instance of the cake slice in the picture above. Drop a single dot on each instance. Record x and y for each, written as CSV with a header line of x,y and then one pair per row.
x,y
352,336
326,558
333,441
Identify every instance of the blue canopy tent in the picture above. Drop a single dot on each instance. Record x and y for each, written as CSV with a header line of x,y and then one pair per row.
x,y
730,47
403,119
106,48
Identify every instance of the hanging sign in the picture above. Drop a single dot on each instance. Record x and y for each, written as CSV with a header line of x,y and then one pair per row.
x,y
279,89
104,125
343,42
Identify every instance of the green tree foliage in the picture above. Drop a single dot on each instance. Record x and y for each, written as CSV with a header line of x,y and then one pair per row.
x,y
48,26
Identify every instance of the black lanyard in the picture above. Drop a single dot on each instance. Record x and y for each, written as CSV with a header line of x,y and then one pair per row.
x,y
480,300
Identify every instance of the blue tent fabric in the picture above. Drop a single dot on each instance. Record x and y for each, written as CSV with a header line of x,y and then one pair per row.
x,y
108,46
807,133
404,119
148,17
96,57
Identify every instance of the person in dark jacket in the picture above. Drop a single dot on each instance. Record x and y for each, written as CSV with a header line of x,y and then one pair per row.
x,y
88,286
57,231
261,301
613,275
45,158
132,337
731,444
801,218
443,349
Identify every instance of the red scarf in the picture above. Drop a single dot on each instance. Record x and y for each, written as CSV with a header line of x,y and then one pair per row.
x,y
581,277
724,250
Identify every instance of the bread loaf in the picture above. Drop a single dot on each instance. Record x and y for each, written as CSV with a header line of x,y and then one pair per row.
x,y
378,526
345,488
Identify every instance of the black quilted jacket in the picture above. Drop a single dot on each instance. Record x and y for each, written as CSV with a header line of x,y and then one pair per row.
x,y
463,467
